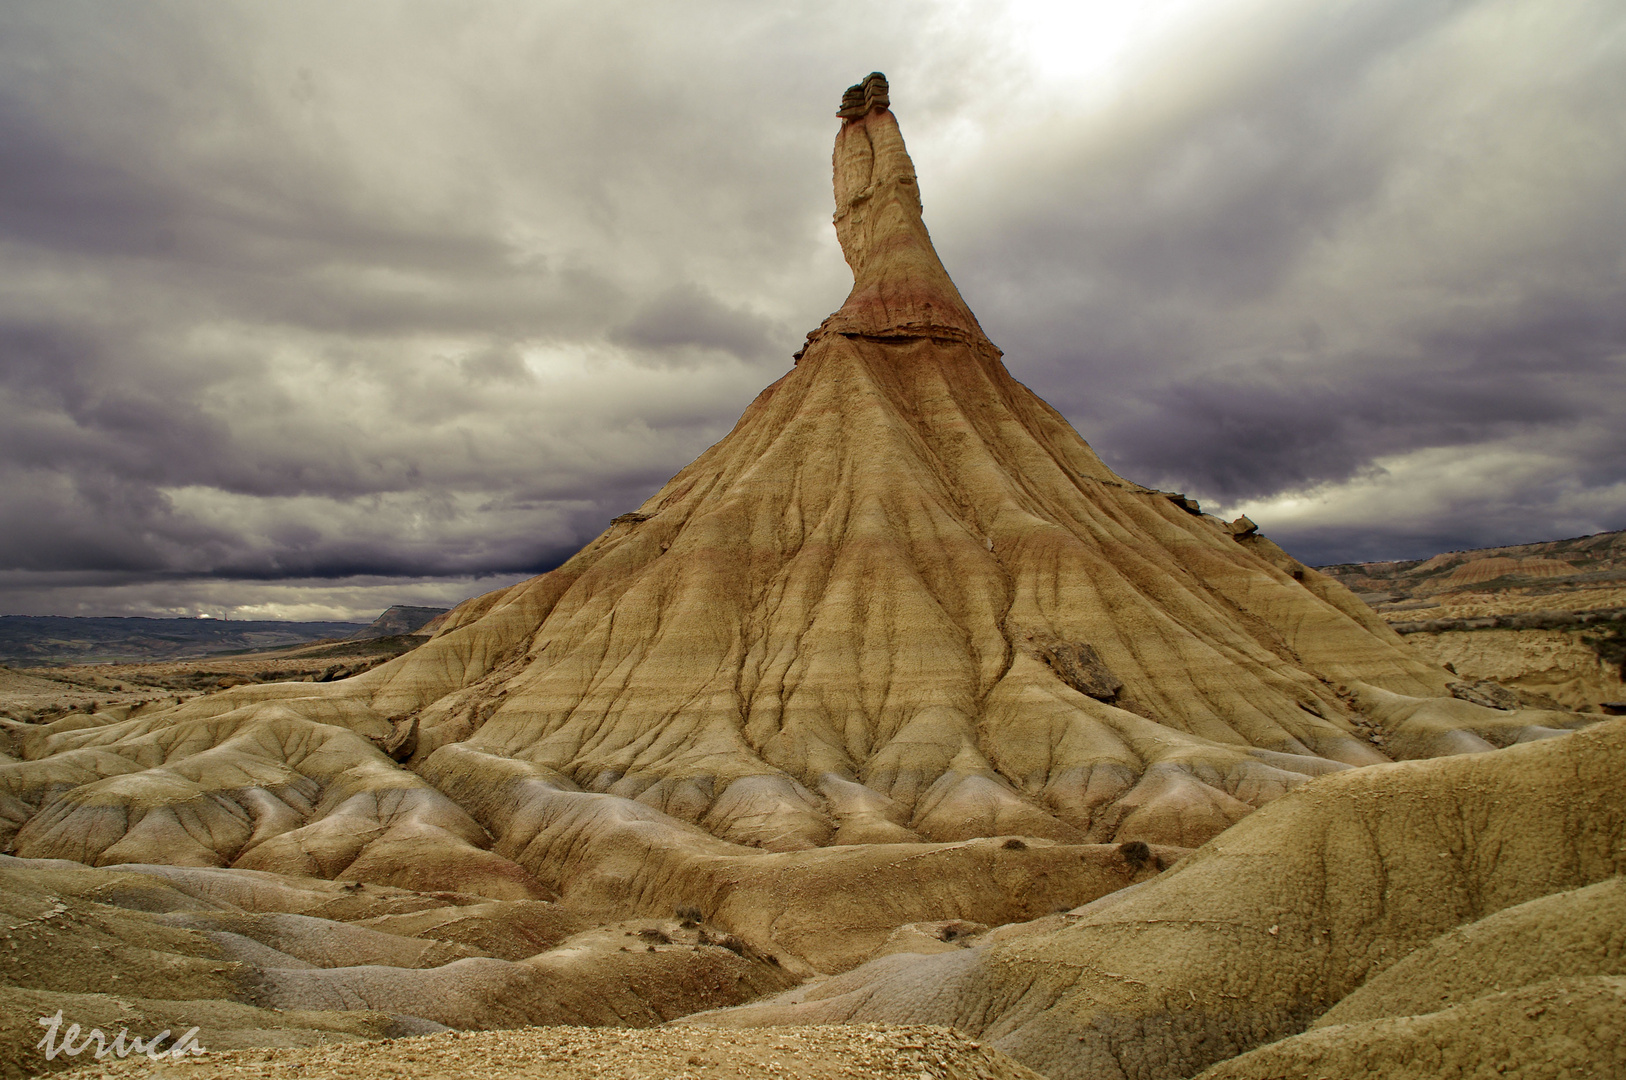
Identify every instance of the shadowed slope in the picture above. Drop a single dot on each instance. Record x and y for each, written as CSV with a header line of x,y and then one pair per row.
x,y
1305,903
258,959
1566,1027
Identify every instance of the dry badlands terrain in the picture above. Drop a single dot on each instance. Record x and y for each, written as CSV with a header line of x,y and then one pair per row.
x,y
896,711
1545,619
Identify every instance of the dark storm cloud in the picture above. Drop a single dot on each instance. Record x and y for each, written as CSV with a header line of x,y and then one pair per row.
x,y
1315,242
313,298
315,294
686,315
1272,424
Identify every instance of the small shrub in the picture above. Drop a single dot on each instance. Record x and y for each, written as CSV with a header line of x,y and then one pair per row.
x,y
738,947
1136,853
1014,844
1610,648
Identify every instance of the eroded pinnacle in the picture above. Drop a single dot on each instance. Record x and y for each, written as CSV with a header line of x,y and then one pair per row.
x,y
862,98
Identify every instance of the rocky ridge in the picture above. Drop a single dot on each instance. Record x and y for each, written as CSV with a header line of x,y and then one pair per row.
x,y
1459,916
1547,619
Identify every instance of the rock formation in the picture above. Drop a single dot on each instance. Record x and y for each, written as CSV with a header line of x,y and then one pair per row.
x,y
1413,920
401,619
901,602
904,601
899,654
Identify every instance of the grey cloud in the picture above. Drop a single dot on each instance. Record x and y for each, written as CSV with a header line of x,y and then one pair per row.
x,y
685,315
1228,156
305,293
1531,485
499,362
256,337
1273,424
1245,283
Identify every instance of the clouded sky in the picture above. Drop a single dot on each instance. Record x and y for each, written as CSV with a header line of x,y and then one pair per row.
x,y
310,308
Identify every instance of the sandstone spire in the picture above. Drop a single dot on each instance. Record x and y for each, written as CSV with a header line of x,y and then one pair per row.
x,y
900,288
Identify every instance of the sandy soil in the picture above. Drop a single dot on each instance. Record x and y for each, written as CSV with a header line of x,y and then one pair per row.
x,y
691,1053
1554,663
49,692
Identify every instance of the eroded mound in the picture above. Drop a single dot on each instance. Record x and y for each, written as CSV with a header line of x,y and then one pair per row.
x,y
1351,890
1566,1027
1576,933
256,959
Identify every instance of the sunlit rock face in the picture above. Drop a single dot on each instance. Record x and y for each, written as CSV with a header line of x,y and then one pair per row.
x,y
901,603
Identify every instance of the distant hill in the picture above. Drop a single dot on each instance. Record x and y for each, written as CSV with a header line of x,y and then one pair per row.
x,y
1547,618
53,639
1547,568
398,620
